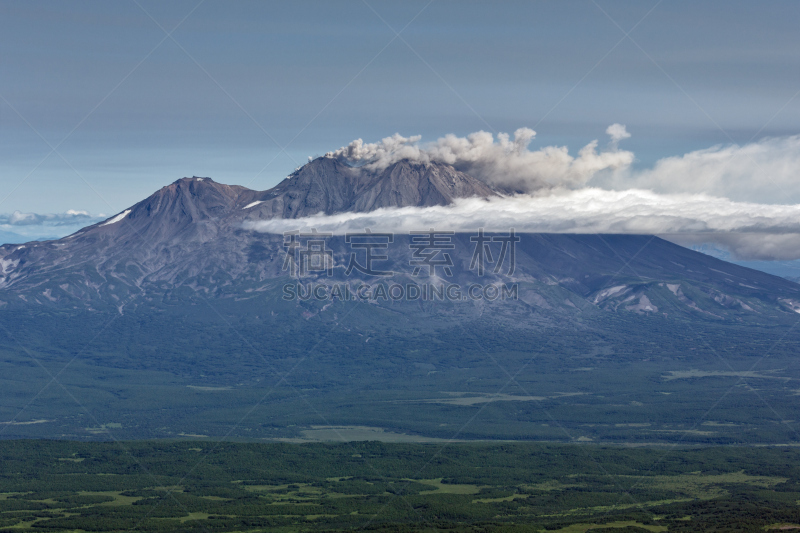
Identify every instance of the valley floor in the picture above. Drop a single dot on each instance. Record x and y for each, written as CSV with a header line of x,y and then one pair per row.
x,y
619,380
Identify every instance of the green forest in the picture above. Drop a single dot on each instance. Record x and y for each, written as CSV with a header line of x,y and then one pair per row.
x,y
214,486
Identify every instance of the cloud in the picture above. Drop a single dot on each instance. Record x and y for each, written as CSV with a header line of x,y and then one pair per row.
x,y
617,132
22,219
748,230
503,162
725,195
23,227
764,171
69,218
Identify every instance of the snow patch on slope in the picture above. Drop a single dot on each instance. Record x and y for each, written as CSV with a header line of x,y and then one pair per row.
x,y
7,265
608,293
674,287
116,218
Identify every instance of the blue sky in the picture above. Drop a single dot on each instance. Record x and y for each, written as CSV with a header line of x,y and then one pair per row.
x,y
241,80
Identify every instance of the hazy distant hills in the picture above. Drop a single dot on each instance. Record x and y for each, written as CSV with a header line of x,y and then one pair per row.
x,y
11,237
188,238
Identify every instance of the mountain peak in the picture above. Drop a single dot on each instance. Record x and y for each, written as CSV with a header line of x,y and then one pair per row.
x,y
194,198
196,184
328,185
194,179
192,207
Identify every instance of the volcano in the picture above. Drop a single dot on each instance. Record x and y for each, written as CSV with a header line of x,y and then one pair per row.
x,y
173,318
189,237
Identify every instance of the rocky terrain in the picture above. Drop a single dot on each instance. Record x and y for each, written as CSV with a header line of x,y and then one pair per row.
x,y
189,236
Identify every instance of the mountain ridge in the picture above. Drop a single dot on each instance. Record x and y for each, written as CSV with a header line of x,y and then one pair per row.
x,y
189,236
326,185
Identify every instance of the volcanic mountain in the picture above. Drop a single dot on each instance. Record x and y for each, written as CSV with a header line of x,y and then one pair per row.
x,y
189,238
173,319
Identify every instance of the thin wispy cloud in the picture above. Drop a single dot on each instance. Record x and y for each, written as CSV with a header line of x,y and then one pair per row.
x,y
68,218
20,227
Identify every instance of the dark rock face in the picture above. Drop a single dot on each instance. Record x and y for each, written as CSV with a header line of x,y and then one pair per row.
x,y
329,186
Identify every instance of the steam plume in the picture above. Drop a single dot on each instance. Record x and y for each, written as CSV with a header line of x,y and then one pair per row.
x,y
503,162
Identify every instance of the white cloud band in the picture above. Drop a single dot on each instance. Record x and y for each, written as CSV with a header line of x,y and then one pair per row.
x,y
748,230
